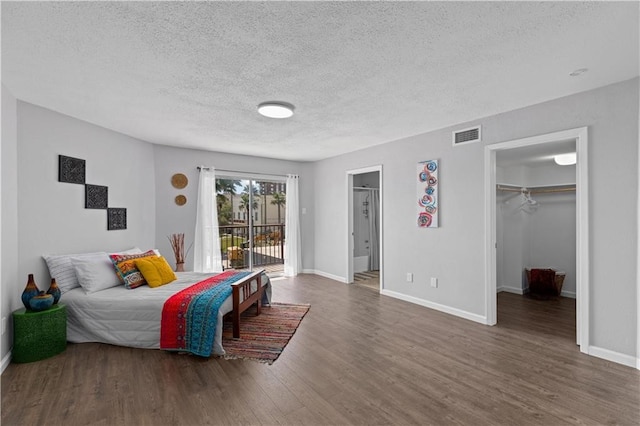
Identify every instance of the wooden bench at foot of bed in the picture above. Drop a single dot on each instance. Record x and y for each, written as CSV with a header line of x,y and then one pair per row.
x,y
243,298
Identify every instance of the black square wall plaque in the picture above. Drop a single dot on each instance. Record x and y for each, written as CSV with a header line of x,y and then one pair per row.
x,y
71,170
96,197
116,219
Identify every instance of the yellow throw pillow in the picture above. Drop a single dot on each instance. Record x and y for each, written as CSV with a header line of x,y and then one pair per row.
x,y
155,270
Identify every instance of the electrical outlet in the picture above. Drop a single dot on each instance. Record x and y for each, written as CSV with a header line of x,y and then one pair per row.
x,y
434,282
409,277
4,325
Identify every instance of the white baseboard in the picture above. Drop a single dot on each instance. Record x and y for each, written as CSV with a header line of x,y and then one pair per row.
x,y
509,289
5,362
516,290
436,306
326,275
617,357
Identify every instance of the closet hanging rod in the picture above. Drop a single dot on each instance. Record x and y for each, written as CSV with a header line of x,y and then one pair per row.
x,y
536,190
365,187
542,191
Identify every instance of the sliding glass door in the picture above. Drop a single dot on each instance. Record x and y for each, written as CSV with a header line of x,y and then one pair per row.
x,y
251,223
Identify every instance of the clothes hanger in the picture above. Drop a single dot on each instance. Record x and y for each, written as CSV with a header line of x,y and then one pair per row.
x,y
528,204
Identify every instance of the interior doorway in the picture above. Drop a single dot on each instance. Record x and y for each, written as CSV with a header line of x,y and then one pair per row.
x,y
542,142
364,245
536,236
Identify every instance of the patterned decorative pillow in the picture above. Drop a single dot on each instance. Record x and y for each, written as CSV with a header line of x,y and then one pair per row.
x,y
125,265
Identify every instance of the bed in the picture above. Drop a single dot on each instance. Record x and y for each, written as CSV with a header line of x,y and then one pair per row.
x,y
132,318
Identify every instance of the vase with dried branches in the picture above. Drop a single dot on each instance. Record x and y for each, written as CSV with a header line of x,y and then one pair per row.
x,y
177,245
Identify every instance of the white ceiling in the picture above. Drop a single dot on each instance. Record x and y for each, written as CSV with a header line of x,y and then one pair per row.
x,y
534,155
359,73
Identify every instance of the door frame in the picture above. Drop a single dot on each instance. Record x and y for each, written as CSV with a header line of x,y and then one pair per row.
x,y
252,178
580,135
350,244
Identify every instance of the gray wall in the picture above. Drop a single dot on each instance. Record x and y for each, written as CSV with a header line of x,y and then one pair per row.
x,y
454,252
171,218
53,219
10,285
552,237
544,237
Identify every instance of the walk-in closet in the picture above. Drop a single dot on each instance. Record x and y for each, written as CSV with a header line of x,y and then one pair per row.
x,y
535,224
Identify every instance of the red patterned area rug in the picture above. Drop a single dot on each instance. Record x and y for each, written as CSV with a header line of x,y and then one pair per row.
x,y
263,337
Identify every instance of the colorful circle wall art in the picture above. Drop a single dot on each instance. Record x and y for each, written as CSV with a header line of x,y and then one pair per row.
x,y
427,194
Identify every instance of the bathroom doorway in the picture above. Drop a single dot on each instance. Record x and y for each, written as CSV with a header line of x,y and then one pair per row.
x,y
365,227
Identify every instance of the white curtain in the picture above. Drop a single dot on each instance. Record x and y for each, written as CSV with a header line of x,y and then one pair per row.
x,y
207,241
374,232
292,257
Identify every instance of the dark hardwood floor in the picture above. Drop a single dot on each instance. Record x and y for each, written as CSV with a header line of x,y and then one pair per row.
x,y
368,279
357,358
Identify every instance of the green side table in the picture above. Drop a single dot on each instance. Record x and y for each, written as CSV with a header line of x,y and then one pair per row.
x,y
39,335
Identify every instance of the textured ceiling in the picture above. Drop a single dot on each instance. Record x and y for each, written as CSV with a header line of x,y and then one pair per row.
x,y
359,73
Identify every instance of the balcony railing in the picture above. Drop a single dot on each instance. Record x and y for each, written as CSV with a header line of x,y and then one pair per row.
x,y
268,246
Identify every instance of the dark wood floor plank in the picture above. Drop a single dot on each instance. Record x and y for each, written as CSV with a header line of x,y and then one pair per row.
x,y
357,358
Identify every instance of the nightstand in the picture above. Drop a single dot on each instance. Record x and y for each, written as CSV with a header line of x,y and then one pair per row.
x,y
39,335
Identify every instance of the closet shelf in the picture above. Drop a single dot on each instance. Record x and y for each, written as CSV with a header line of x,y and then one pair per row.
x,y
569,187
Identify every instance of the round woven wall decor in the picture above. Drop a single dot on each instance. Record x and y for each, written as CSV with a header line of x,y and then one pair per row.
x,y
179,180
181,200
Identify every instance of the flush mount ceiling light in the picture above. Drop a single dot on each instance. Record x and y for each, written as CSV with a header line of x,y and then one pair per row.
x,y
565,159
276,109
579,72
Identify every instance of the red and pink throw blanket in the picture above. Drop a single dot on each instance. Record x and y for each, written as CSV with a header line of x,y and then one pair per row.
x,y
189,318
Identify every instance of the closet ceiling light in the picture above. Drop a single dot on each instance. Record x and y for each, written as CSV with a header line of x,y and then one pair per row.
x,y
566,159
276,109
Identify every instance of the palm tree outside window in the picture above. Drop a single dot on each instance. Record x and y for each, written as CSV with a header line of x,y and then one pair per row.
x,y
279,199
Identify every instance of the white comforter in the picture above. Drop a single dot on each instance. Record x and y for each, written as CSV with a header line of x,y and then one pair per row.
x,y
131,317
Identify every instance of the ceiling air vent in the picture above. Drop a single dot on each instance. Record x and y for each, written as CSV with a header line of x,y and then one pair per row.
x,y
467,135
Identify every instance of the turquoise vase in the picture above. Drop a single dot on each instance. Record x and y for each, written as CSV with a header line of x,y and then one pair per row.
x,y
30,291
54,290
41,302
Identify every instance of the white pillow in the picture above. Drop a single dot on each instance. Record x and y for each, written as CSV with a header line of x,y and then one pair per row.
x,y
61,268
95,273
134,250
